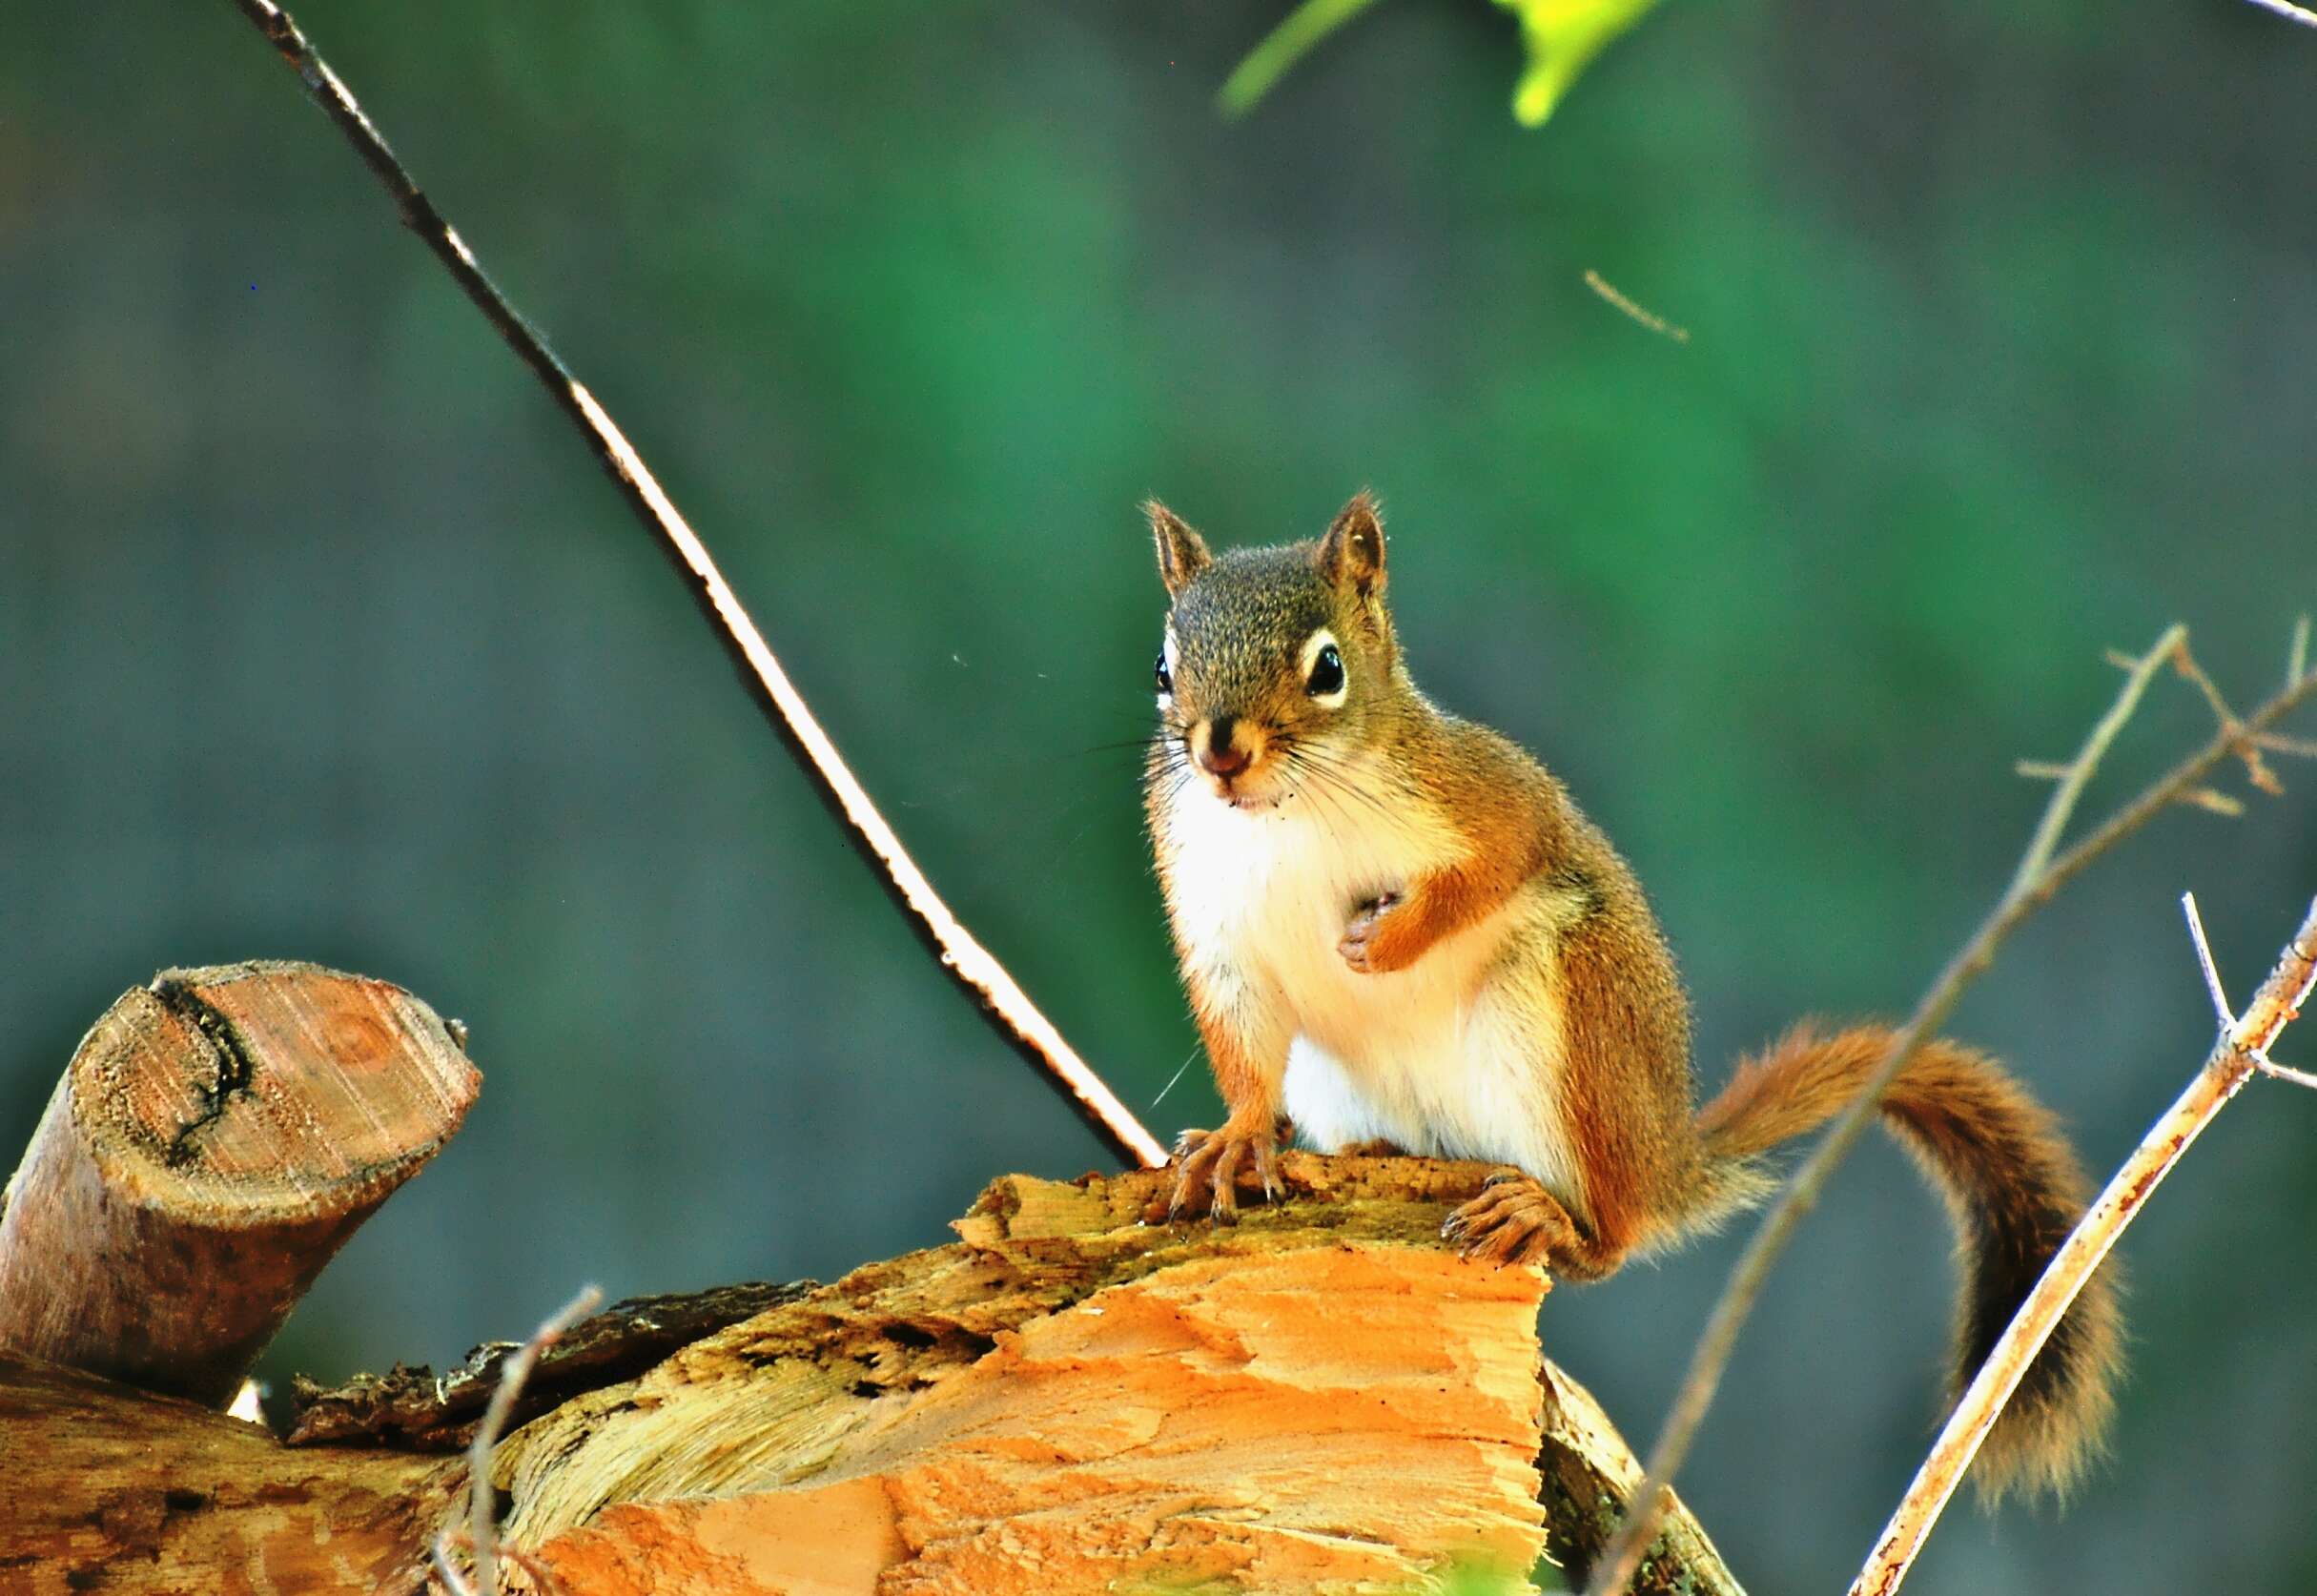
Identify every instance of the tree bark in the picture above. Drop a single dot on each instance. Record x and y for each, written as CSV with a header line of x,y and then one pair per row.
x,y
112,1489
217,1137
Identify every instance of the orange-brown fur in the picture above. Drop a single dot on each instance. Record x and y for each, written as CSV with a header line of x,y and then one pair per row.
x,y
1513,859
1507,828
2014,1191
1209,1164
1627,1092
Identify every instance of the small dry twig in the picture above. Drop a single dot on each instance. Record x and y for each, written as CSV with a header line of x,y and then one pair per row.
x,y
2044,870
1009,1008
2248,748
1599,284
2242,1048
2220,998
2137,673
543,1578
482,1533
2204,961
2213,799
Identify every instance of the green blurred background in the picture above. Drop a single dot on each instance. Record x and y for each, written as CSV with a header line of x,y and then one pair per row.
x,y
321,637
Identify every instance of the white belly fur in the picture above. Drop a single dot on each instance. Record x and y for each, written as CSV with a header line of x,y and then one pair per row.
x,y
1455,1056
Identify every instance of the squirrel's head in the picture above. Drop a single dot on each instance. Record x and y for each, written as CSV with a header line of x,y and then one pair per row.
x,y
1275,661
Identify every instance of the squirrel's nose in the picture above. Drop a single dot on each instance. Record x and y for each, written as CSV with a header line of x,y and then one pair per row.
x,y
1222,755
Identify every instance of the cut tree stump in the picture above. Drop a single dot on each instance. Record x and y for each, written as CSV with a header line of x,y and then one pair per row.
x,y
217,1137
1064,1400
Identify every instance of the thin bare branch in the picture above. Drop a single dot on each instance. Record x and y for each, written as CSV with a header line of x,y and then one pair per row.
x,y
2139,673
1656,324
1008,1007
543,1578
2230,1065
2213,800
2297,652
2285,1071
2028,894
447,1570
482,1536
2291,13
2204,958
2248,747
2040,769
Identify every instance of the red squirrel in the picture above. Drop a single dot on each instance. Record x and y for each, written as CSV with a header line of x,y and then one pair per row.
x,y
1398,932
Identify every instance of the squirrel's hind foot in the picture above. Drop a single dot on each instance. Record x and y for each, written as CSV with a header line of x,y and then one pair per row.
x,y
1513,1220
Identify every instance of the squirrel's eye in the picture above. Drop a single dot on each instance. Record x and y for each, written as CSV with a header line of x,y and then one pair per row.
x,y
1326,673
1165,677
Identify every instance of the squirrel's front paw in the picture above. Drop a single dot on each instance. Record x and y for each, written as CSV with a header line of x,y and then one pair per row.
x,y
1368,944
1209,1166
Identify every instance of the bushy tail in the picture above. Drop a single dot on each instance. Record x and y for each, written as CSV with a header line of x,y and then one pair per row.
x,y
2014,1191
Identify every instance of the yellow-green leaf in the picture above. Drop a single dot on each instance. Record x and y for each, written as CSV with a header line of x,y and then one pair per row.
x,y
1281,48
1563,36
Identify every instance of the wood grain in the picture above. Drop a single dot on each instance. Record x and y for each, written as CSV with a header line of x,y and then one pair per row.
x,y
217,1136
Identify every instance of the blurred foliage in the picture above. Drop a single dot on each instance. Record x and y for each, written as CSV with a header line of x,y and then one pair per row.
x,y
319,636
1561,38
1294,38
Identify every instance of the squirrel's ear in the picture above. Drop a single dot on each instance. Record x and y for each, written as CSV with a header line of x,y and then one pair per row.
x,y
1182,553
1351,555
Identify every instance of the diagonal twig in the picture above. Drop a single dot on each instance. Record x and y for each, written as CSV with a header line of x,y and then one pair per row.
x,y
2248,747
2291,13
2028,892
482,1535
2138,674
2243,1042
2226,1015
1009,1010
2285,1071
1654,322
543,1579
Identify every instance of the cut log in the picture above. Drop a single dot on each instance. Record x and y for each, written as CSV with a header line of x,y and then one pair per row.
x,y
217,1137
112,1489
1065,1400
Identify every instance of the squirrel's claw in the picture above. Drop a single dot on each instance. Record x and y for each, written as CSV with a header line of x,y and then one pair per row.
x,y
1358,945
1513,1220
1210,1166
